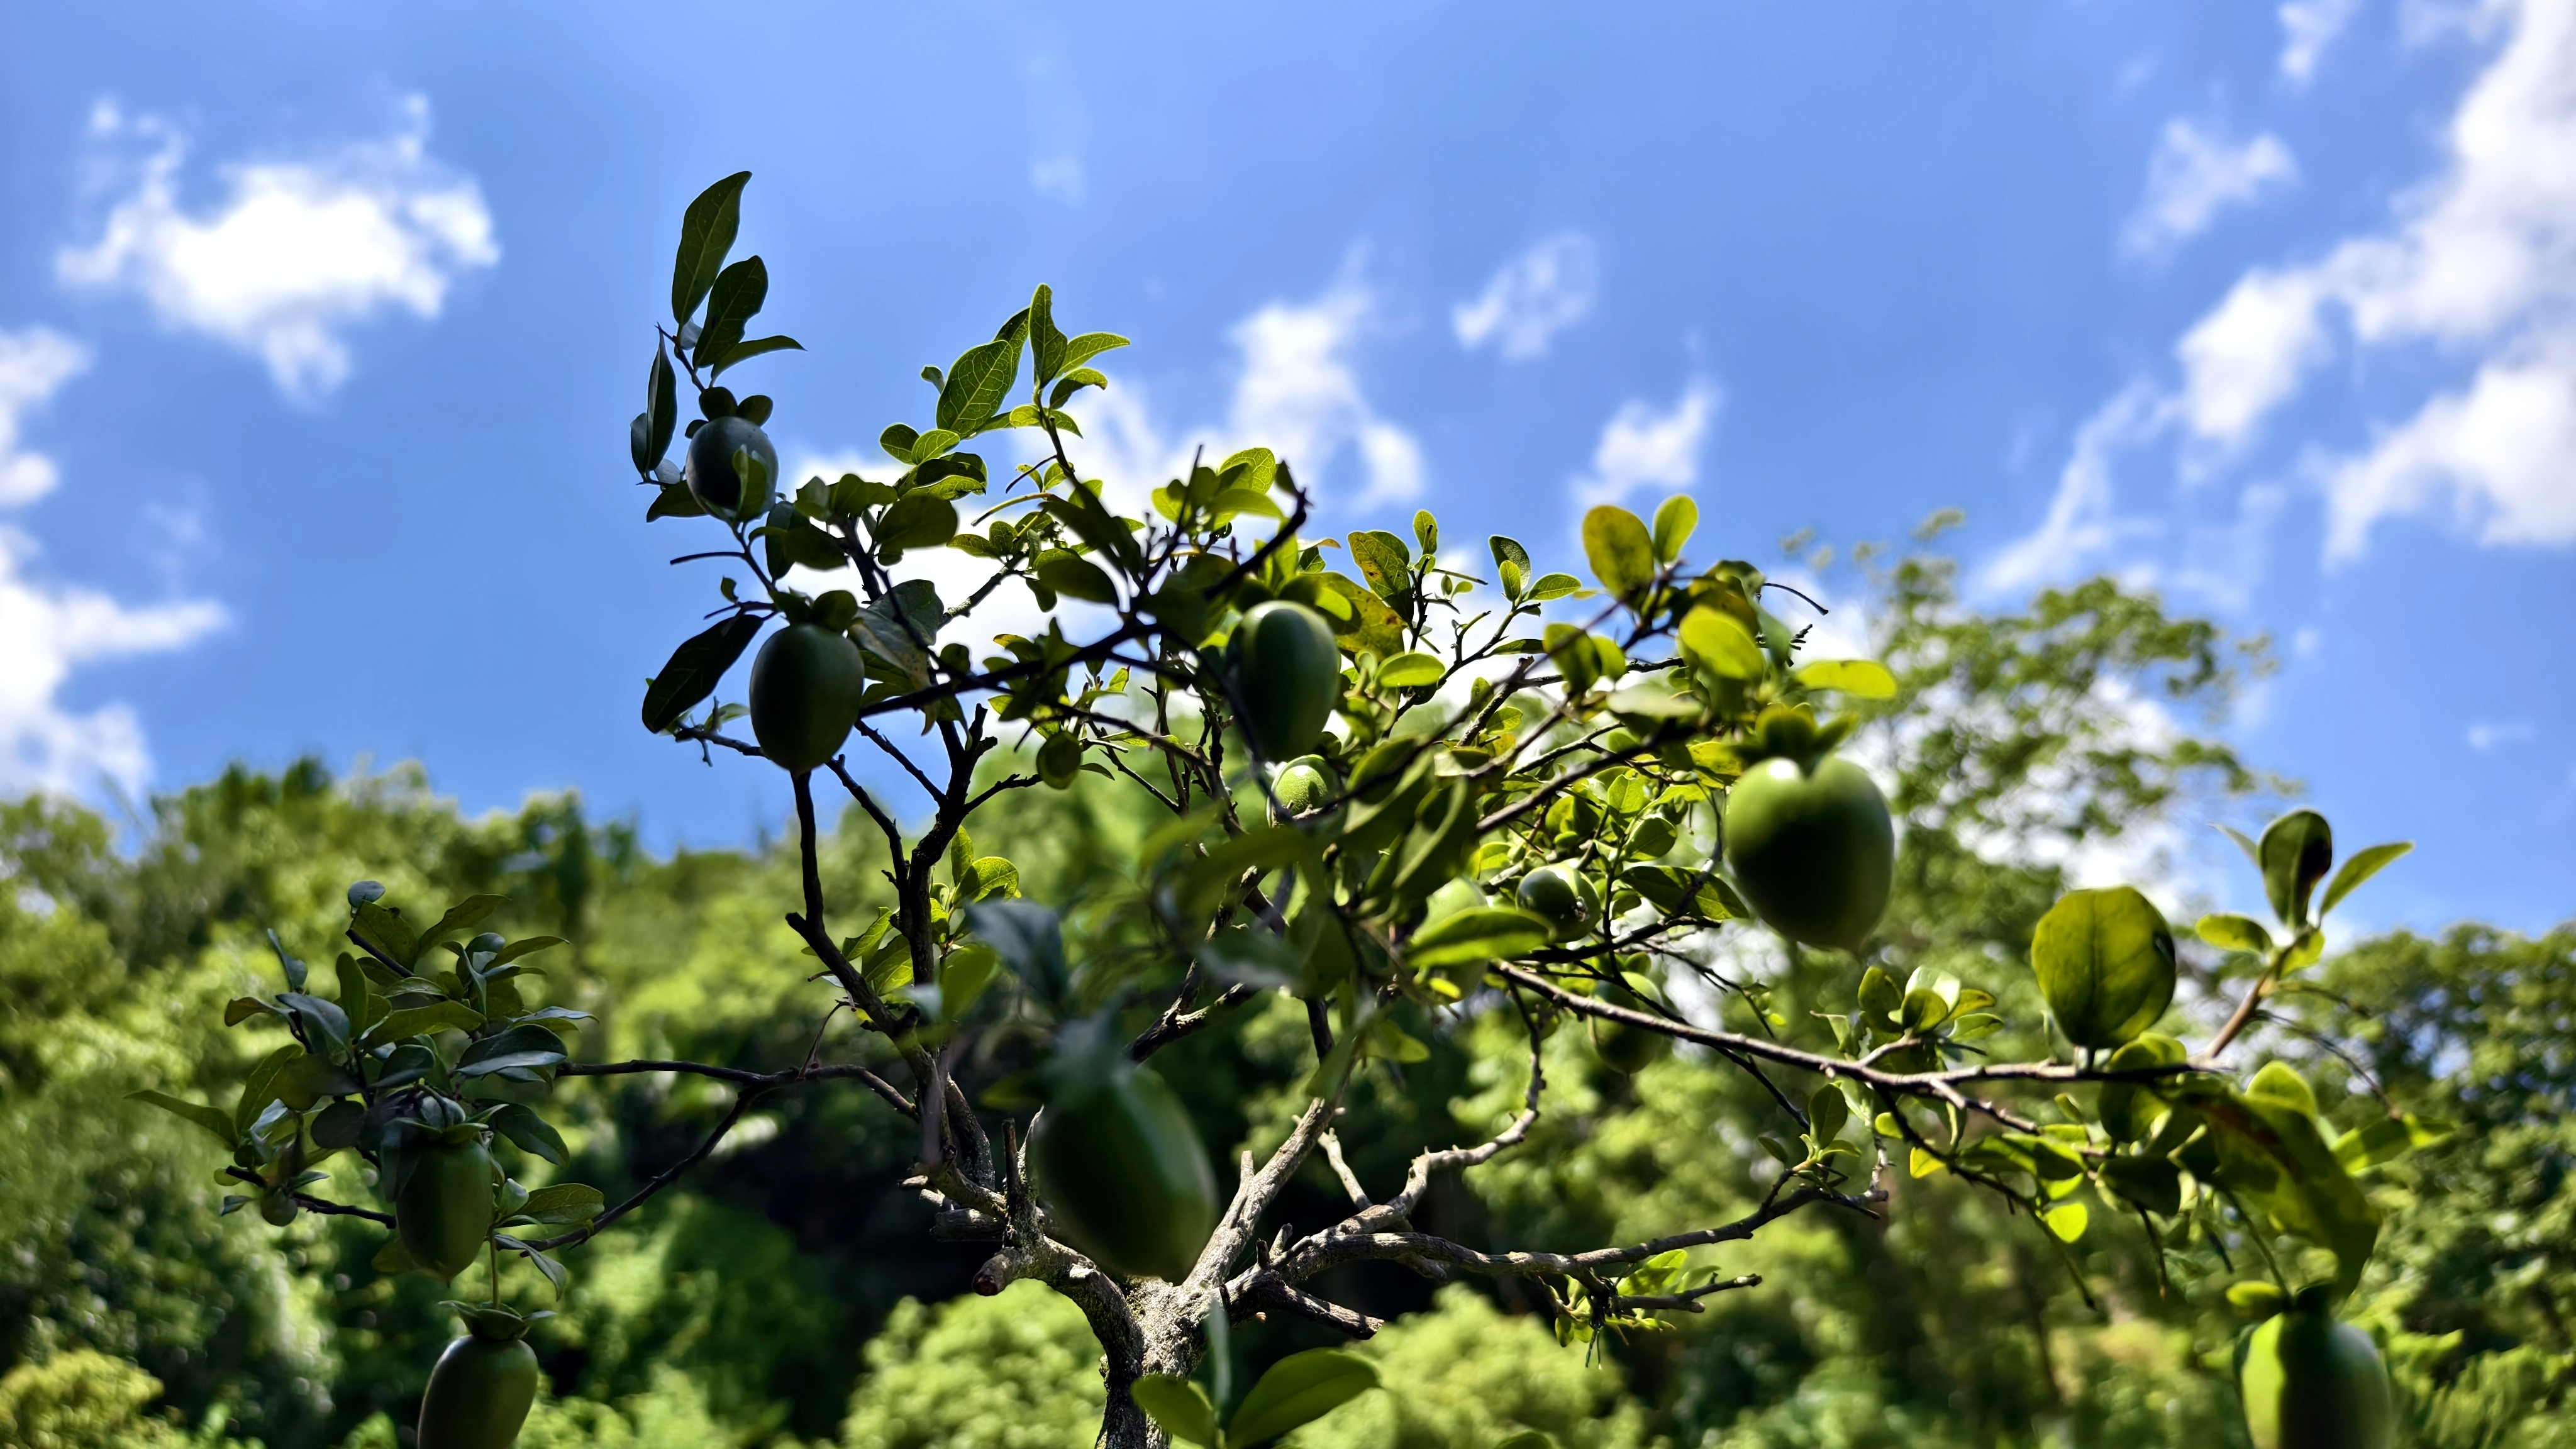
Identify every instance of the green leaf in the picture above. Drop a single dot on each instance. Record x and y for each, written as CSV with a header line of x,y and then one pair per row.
x,y
2243,842
2067,1221
1384,562
739,291
1476,935
1179,1406
694,670
414,1021
1859,678
1674,524
2153,1183
527,945
1090,345
565,1203
1046,340
1411,671
2105,962
2361,867
978,383
2385,1139
1512,563
661,414
1719,643
524,1047
1300,1389
1030,940
745,351
532,1133
243,1008
2296,850
1077,577
214,1120
2234,933
466,913
706,234
1827,1113
963,977
917,520
1620,552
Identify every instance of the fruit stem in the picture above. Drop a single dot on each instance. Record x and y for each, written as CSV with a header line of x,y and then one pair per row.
x,y
495,1246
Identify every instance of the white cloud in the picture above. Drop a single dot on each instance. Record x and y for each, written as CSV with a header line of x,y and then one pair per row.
x,y
2480,259
48,630
1298,395
2194,175
1532,297
2484,736
2502,451
296,252
2307,28
1645,447
32,364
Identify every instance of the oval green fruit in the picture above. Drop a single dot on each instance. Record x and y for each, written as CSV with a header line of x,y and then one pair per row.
x,y
709,469
1813,850
1622,1048
444,1211
1304,787
2312,1383
479,1394
805,688
1288,673
1125,1177
2105,962
1549,892
277,1207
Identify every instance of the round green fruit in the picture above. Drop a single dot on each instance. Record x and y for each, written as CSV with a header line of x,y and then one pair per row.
x,y
1288,673
1813,850
277,1207
1304,787
709,470
1622,1048
1124,1175
1550,892
2312,1383
444,1211
805,688
479,1394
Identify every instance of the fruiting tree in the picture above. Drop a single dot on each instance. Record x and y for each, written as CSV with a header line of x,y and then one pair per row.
x,y
1402,789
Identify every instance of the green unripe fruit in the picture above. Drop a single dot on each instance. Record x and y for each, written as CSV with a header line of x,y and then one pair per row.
x,y
2312,1383
479,1394
444,1211
1550,893
1813,850
1622,1048
709,470
1303,787
805,688
1124,1176
1288,675
277,1207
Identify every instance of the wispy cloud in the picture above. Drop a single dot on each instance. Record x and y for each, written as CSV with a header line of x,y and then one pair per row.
x,y
2083,526
48,630
1531,298
2194,175
2307,28
295,253
2485,735
1644,446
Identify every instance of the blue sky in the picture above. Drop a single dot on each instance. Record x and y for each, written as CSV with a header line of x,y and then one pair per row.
x,y
323,325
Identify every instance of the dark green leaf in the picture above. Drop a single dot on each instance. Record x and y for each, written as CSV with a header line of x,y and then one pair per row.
x,y
564,1203
1030,940
1476,935
1077,577
1179,1406
694,670
706,234
745,351
1046,341
2295,853
531,1047
531,1132
414,1021
918,520
218,1122
740,290
978,383
661,414
1300,1389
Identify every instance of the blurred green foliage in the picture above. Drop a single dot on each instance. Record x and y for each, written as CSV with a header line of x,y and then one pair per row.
x,y
794,1298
